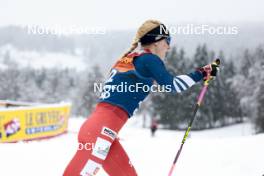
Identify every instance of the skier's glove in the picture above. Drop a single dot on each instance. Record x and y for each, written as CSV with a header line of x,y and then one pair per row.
x,y
210,70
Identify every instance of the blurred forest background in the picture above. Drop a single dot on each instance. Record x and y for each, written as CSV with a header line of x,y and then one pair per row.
x,y
51,69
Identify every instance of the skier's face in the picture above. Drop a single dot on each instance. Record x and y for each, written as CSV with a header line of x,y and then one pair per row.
x,y
162,47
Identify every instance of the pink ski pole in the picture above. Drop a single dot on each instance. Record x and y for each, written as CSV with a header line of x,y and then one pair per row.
x,y
198,104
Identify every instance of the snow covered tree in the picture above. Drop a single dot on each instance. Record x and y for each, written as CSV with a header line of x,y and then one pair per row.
x,y
248,84
28,90
86,98
256,77
259,120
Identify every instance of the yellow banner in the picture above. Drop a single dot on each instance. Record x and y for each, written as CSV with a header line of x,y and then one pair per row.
x,y
27,123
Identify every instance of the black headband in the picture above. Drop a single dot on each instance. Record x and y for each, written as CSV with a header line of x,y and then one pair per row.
x,y
156,34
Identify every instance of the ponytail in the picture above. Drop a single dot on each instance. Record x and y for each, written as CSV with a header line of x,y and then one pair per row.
x,y
132,48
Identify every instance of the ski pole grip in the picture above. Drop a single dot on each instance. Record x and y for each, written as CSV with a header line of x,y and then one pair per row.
x,y
215,66
217,62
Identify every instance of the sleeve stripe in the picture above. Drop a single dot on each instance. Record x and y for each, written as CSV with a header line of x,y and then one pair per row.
x,y
187,79
176,85
185,85
181,84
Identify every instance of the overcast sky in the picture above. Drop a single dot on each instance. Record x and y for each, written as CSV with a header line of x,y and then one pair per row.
x,y
122,14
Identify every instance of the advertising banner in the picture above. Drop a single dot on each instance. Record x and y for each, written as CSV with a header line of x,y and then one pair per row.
x,y
34,122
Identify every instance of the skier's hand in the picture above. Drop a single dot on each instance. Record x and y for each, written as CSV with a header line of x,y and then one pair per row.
x,y
210,69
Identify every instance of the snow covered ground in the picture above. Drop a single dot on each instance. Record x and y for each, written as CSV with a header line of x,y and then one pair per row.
x,y
229,151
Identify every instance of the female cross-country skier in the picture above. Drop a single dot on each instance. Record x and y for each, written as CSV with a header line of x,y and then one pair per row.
x,y
115,108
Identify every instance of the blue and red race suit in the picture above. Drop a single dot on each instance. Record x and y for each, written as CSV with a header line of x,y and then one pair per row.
x,y
132,78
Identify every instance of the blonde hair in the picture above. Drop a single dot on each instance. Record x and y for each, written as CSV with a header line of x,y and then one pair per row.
x,y
142,30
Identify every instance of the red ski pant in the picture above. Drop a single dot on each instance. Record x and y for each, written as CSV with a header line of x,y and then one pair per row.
x,y
99,146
